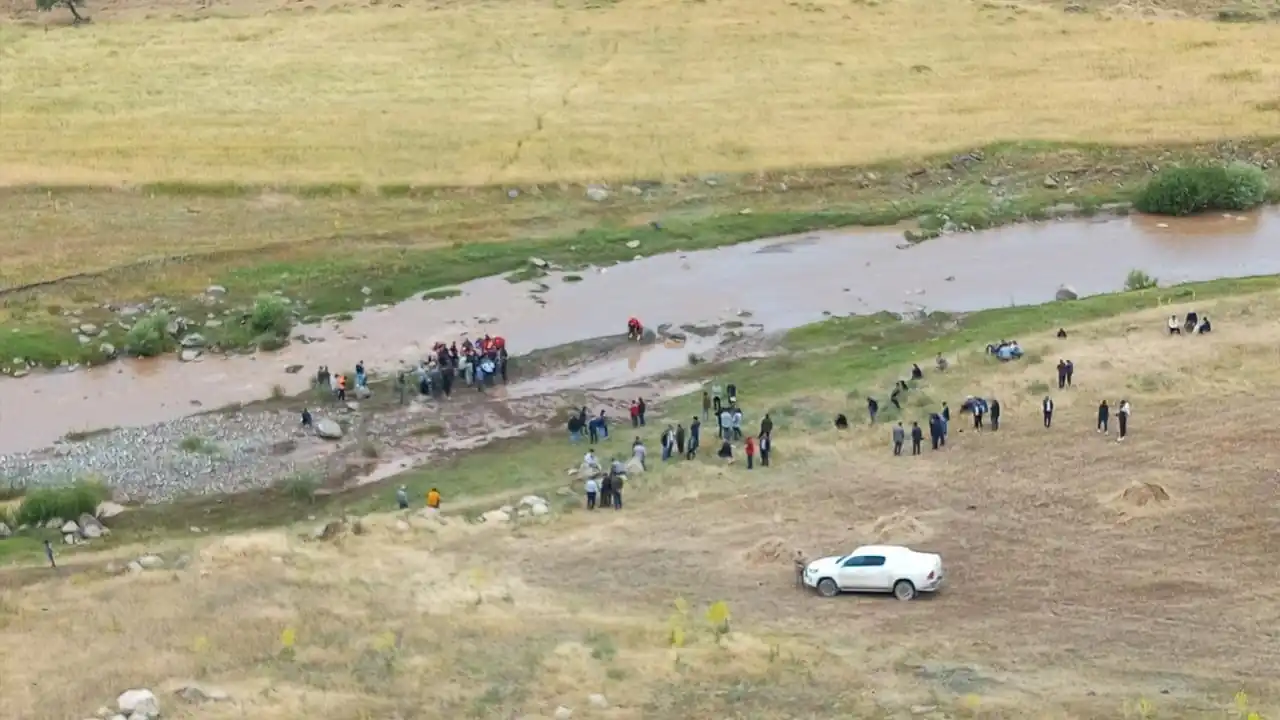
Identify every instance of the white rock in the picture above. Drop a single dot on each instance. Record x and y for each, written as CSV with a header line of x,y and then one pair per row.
x,y
563,713
496,516
538,262
70,527
538,510
54,524
189,355
5,531
215,290
151,562
88,329
531,500
403,526
597,701
107,350
366,290
134,566
363,392
138,704
194,340
328,429
109,509
70,539
597,193
633,244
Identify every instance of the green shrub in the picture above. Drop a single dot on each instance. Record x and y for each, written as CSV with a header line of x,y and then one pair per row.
x,y
1190,190
68,502
270,316
149,336
1139,280
301,488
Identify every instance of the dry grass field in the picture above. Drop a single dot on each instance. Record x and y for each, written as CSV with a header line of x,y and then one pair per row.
x,y
1085,574
485,92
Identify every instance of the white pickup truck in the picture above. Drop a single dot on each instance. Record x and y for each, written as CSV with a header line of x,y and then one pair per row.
x,y
876,568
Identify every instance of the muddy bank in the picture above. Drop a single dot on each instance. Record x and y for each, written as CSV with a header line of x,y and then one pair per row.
x,y
772,284
255,446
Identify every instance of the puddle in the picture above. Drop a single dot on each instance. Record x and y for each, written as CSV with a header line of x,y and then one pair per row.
x,y
783,282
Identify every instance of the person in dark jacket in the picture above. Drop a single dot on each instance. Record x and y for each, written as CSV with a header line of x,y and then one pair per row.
x,y
695,433
935,430
946,412
1071,371
842,422
679,438
766,446
916,372
766,425
1104,417
917,435
899,435
642,406
995,414
1047,406
1062,374
873,407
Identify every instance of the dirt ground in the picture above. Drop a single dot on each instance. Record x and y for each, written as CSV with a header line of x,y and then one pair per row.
x,y
1087,578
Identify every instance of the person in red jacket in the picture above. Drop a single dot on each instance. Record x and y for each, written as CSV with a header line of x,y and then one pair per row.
x,y
635,330
635,414
751,452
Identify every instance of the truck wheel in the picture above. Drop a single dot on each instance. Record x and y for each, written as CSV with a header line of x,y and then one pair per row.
x,y
828,587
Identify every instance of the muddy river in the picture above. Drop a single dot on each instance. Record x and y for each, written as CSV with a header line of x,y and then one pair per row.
x,y
782,283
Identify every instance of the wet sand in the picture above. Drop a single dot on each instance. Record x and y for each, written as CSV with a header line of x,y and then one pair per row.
x,y
783,283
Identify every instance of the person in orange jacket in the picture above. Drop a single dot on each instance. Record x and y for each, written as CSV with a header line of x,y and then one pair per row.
x,y
433,500
751,452
342,387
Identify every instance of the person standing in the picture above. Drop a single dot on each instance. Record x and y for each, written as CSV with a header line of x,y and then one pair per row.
x,y
735,422
726,424
642,406
1062,374
873,407
606,490
766,425
593,489
1104,417
706,405
995,414
402,498
917,435
899,435
680,438
1071,370
635,414
638,452
1123,417
750,449
668,443
695,430
766,444
1047,407
433,501
618,482
48,553
935,430
979,409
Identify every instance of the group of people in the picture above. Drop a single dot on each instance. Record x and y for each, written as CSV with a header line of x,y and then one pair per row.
x,y
479,363
1193,324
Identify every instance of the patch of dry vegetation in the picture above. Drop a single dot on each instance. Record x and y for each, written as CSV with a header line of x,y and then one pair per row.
x,y
495,92
1083,572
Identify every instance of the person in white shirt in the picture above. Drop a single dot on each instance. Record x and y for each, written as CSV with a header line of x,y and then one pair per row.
x,y
637,449
1174,327
1048,410
593,490
1123,417
590,459
736,421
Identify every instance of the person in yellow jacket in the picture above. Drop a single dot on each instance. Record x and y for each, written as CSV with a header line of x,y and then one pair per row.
x,y
433,500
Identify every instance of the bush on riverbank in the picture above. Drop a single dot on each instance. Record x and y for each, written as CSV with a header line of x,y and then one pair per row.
x,y
271,317
150,336
1139,280
1190,190
40,505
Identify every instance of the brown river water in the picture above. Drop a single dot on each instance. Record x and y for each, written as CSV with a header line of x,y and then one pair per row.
x,y
782,282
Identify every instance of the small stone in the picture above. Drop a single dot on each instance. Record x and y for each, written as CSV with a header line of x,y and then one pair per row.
x,y
70,539
84,339
538,262
190,354
1050,182
196,693
293,369
366,290
134,567
138,704
595,193
328,429
215,290
539,510
107,350
150,562
194,340
563,713
88,329
597,701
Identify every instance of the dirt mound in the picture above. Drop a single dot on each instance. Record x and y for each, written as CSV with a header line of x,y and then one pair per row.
x,y
1141,494
899,528
769,550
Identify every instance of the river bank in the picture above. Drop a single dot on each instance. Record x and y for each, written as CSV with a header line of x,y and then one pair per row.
x,y
764,286
338,249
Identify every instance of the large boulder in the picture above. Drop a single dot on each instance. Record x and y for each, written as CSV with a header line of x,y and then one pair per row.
x,y
328,429
5,531
69,527
1066,292
138,704
108,509
363,392
90,527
